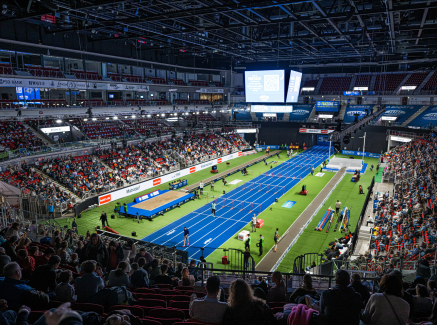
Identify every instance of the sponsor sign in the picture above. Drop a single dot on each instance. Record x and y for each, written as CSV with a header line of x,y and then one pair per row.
x,y
246,130
137,188
272,147
210,91
402,112
360,153
235,181
271,109
192,169
156,181
331,106
315,131
46,83
288,204
400,139
320,174
105,199
147,196
247,153
56,129
426,118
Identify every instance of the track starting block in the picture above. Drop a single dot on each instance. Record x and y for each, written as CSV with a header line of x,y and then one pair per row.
x,y
259,223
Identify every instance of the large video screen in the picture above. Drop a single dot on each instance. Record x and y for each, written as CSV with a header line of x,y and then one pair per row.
x,y
264,86
271,109
294,86
330,106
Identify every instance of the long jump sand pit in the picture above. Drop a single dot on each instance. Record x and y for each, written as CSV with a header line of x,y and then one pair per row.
x,y
160,200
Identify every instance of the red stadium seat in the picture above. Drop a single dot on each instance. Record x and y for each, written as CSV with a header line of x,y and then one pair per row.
x,y
135,310
152,303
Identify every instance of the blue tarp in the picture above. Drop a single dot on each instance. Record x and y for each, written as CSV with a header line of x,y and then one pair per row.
x,y
356,109
402,112
427,117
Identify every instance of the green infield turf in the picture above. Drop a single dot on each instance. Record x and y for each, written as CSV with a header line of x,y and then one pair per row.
x,y
125,226
276,217
312,241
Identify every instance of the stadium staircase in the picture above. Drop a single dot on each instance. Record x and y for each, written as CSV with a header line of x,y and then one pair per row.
x,y
423,83
45,138
312,117
319,84
398,88
253,115
342,111
352,85
82,134
40,172
412,117
372,83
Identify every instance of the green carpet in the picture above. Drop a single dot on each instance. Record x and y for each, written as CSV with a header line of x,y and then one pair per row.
x,y
90,219
276,217
378,177
347,192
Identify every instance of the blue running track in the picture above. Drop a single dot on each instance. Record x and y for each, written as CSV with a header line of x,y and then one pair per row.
x,y
211,232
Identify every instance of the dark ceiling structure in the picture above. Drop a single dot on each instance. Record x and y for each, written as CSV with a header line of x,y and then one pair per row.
x,y
221,33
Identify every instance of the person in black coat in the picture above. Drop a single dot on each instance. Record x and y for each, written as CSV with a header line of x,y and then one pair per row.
x,y
341,305
360,288
95,250
104,218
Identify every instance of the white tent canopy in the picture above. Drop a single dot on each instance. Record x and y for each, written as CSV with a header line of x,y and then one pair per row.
x,y
10,193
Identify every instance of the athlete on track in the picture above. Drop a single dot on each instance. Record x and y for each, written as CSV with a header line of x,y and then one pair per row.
x,y
213,208
186,233
276,238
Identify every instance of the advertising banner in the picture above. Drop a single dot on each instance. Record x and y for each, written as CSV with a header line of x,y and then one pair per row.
x,y
300,112
330,106
351,110
360,153
426,118
32,83
315,131
402,112
119,194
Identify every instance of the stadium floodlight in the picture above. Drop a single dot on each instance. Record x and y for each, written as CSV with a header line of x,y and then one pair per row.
x,y
213,111
58,121
94,119
148,115
115,118
85,119
197,113
162,115
133,116
107,118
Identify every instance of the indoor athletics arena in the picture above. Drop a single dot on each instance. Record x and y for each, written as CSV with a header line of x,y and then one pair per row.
x,y
243,162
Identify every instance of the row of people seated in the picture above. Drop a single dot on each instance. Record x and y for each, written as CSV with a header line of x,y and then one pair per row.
x,y
14,135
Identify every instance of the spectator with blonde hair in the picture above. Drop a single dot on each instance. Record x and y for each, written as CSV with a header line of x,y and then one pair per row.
x,y
244,308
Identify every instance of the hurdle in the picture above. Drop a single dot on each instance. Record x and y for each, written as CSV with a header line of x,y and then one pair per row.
x,y
238,204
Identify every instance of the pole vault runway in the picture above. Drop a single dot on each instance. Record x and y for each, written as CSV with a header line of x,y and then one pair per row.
x,y
235,209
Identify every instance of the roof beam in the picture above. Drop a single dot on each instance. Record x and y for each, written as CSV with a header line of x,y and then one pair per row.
x,y
422,23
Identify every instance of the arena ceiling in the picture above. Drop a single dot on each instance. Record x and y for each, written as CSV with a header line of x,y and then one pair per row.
x,y
241,32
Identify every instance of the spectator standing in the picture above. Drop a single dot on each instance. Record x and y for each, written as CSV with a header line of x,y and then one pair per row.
x,y
193,269
145,254
247,242
312,170
96,250
115,255
244,308
209,309
276,238
74,226
341,305
277,293
387,307
50,210
88,284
